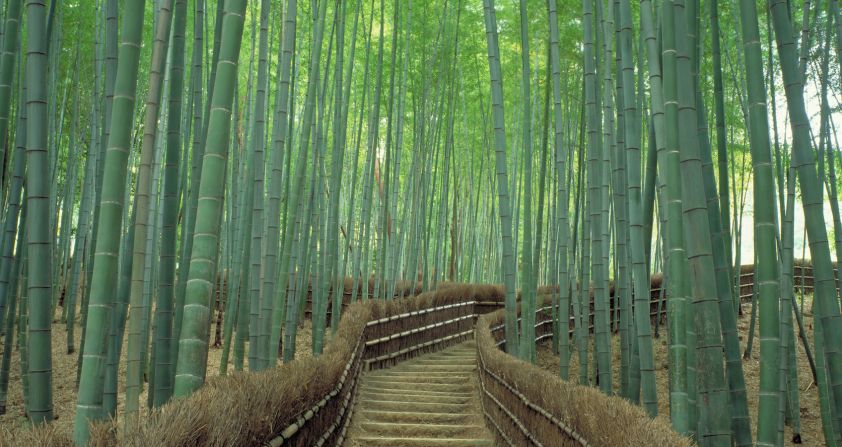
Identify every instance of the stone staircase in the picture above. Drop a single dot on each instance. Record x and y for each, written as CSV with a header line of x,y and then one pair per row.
x,y
431,401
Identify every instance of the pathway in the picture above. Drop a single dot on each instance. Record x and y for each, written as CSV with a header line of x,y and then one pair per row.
x,y
431,400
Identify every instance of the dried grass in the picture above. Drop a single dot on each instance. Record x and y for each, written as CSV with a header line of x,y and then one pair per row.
x,y
15,429
45,435
811,430
252,408
584,409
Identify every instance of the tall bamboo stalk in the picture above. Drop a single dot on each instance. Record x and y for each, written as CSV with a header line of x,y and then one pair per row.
x,y
528,277
8,58
504,206
193,342
282,124
562,205
639,270
665,117
163,309
39,232
89,403
826,299
143,197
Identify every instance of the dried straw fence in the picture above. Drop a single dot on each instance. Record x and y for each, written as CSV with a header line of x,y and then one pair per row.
x,y
527,406
309,402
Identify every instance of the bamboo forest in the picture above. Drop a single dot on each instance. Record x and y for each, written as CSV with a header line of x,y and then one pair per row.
x,y
420,223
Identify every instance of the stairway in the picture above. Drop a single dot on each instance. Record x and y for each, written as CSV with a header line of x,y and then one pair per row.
x,y
431,401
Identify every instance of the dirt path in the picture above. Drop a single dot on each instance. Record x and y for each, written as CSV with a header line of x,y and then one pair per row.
x,y
428,401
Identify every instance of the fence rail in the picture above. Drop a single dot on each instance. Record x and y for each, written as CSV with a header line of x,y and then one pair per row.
x,y
383,342
494,387
397,337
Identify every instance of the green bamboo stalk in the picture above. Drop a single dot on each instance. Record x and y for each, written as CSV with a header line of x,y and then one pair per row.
x,y
247,321
629,353
8,59
825,394
361,261
612,139
117,324
144,196
664,107
281,138
258,143
293,239
341,107
109,75
826,146
10,223
507,259
39,239
23,323
321,278
580,312
561,204
69,202
639,270
825,296
399,139
82,251
789,371
766,268
163,308
595,170
602,294
539,225
528,278
713,415
200,130
833,7
111,209
385,222
232,250
193,342
11,311
720,239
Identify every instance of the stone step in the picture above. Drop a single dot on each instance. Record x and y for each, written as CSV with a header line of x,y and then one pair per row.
x,y
421,407
441,387
422,430
414,417
421,378
396,372
420,442
445,359
437,367
403,389
428,401
404,397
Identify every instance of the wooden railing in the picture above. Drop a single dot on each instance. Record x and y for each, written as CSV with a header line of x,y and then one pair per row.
x,y
430,322
394,339
526,405
339,400
493,387
378,334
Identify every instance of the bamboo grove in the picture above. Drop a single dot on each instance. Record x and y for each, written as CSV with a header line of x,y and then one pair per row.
x,y
181,177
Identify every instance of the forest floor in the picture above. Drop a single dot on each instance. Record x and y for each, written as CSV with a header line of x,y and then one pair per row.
x,y
811,424
64,379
